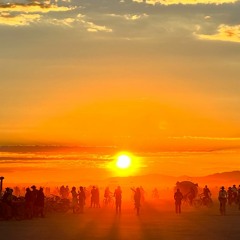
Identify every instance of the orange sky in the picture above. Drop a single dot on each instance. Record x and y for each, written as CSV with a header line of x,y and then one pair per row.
x,y
141,76
123,114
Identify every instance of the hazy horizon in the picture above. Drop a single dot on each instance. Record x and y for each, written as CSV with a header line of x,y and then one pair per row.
x,y
56,164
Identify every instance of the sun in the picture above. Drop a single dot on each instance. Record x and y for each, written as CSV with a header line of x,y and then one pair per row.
x,y
123,161
124,164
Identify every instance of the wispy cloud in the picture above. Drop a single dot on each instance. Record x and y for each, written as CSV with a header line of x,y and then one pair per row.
x,y
26,13
91,27
23,14
34,7
83,21
224,33
185,2
207,17
63,22
131,17
19,20
134,17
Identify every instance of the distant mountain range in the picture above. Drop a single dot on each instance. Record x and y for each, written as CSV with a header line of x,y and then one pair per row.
x,y
215,179
229,177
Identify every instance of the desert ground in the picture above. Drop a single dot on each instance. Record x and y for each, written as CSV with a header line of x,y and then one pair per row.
x,y
156,221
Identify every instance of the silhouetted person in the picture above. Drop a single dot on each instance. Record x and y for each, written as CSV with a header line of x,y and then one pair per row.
x,y
61,191
7,203
74,199
34,193
94,197
97,198
137,199
234,192
67,191
155,193
178,196
222,197
107,196
28,204
206,196
229,196
81,197
239,197
118,199
40,202
206,192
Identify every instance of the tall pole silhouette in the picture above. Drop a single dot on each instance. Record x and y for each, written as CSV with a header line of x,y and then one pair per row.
x,y
1,184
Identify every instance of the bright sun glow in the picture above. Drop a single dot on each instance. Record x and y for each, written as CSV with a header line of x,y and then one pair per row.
x,y
123,161
124,164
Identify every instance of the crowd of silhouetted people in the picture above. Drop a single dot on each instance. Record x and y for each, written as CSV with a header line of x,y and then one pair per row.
x,y
31,204
36,202
225,197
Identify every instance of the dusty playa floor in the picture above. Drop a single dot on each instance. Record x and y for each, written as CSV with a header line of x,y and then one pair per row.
x,y
153,223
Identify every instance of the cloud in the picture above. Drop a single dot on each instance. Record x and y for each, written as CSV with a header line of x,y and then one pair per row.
x,y
134,17
19,20
224,33
185,2
63,22
91,27
34,7
83,21
207,17
23,14
130,17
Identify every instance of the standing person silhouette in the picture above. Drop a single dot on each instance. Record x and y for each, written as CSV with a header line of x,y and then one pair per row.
x,y
28,204
74,199
238,198
93,197
118,199
107,196
7,203
222,197
40,202
97,198
81,197
178,201
137,199
34,193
